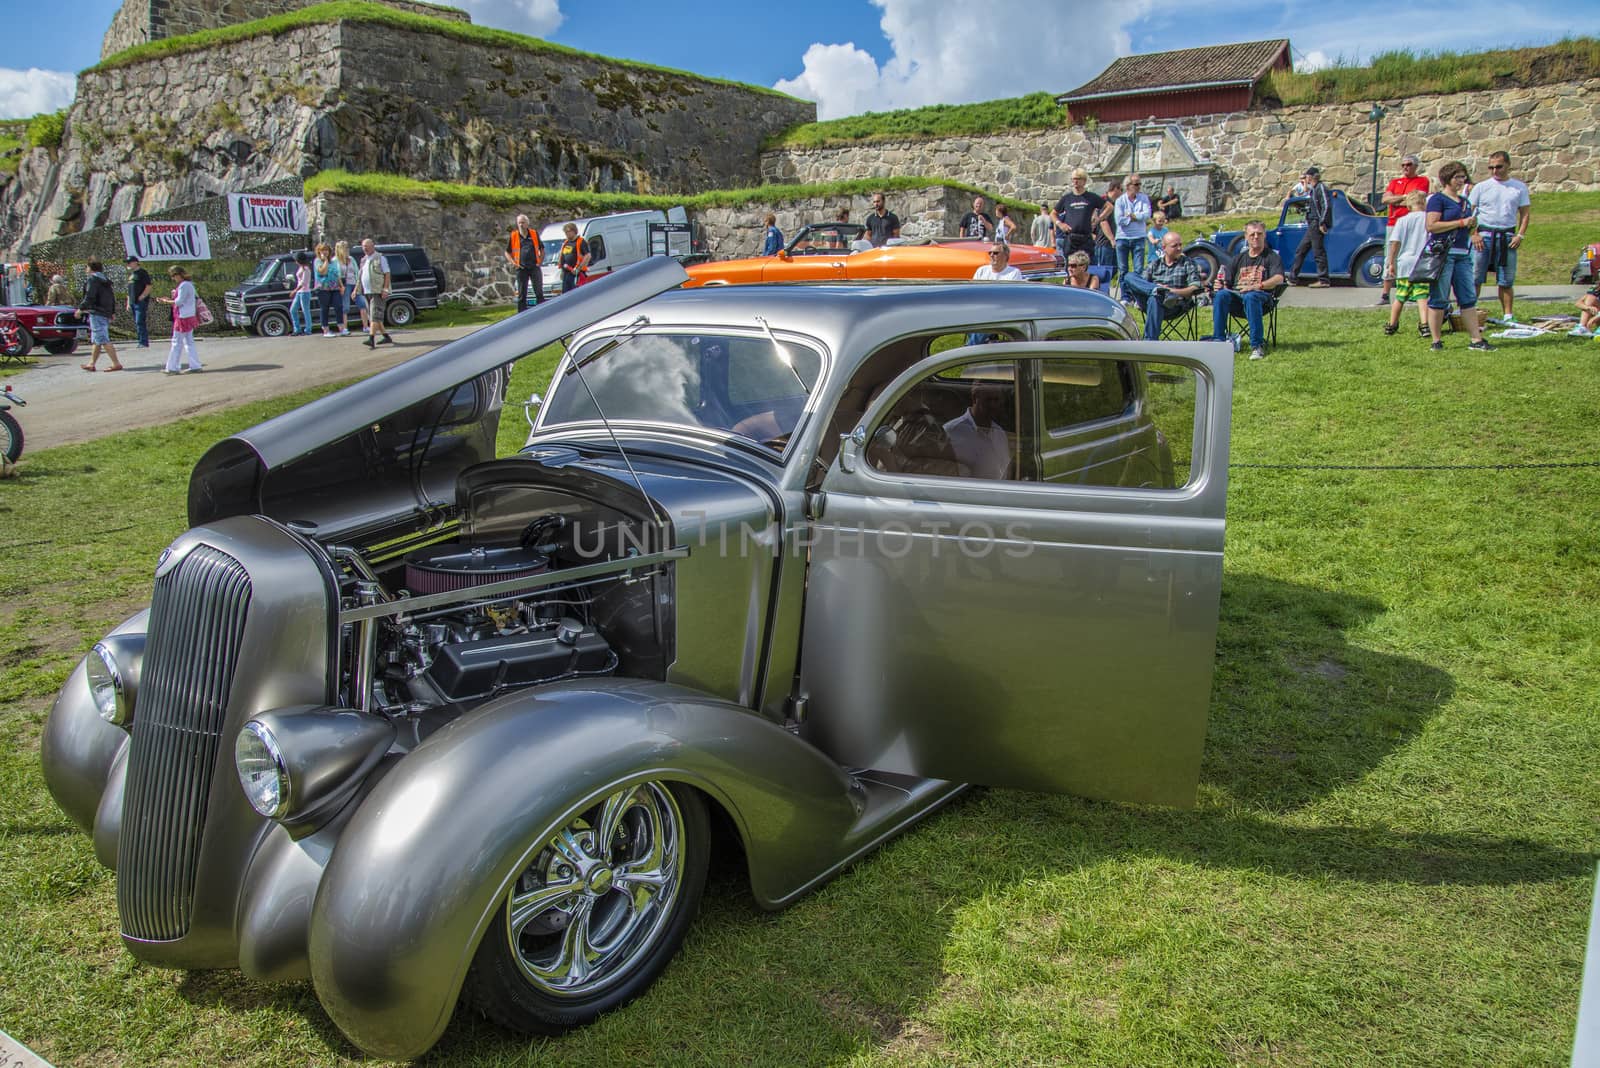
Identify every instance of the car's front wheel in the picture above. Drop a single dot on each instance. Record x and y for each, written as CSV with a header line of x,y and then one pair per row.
x,y
61,346
272,323
24,343
597,912
1207,262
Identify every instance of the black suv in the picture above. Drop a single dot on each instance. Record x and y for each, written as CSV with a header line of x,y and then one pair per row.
x,y
261,303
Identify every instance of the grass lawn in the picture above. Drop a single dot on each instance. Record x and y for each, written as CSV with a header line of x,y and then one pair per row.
x,y
1390,863
1561,224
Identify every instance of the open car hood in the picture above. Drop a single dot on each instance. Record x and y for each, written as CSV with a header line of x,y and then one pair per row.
x,y
382,454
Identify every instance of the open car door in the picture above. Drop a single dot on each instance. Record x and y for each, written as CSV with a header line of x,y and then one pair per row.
x,y
1016,567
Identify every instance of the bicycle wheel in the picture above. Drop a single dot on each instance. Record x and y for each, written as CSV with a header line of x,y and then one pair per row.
x,y
10,437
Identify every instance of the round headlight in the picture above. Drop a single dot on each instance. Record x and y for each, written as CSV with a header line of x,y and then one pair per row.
x,y
108,687
261,770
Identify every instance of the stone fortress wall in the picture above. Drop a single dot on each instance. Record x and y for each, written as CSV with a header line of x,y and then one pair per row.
x,y
369,97
138,21
1551,131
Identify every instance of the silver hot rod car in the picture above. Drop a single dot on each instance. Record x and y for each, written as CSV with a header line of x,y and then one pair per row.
x,y
421,724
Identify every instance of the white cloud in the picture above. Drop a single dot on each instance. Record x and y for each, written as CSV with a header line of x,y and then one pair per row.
x,y
538,18
28,92
1312,61
946,54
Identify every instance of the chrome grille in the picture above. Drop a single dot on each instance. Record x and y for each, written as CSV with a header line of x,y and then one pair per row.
x,y
197,621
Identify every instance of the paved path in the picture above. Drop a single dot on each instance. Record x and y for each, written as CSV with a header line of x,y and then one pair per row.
x,y
67,404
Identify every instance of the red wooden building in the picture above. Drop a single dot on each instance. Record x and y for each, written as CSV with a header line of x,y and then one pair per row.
x,y
1170,85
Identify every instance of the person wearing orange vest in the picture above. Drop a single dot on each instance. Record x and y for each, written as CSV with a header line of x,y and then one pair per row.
x,y
525,254
574,259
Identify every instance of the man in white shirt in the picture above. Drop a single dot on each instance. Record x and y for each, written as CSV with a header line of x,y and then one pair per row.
x,y
979,441
1503,206
374,276
998,269
1132,216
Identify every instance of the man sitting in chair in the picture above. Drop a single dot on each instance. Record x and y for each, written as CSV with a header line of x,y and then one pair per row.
x,y
1166,287
1249,287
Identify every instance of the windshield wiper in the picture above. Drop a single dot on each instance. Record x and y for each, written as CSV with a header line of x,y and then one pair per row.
x,y
783,354
627,333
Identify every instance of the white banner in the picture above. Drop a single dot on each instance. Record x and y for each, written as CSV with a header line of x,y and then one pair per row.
x,y
257,213
167,240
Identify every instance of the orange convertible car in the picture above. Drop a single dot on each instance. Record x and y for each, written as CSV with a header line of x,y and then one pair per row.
x,y
834,253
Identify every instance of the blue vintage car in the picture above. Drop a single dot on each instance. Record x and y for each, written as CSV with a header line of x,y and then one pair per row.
x,y
1354,242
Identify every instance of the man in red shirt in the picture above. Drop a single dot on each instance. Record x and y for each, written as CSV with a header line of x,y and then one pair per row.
x,y
1394,198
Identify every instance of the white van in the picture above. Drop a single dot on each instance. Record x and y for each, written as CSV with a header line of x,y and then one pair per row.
x,y
614,241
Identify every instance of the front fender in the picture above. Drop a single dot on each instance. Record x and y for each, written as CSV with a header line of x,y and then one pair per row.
x,y
78,748
419,873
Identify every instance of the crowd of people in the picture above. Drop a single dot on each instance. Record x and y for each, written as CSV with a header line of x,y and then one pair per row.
x,y
328,279
1441,244
341,283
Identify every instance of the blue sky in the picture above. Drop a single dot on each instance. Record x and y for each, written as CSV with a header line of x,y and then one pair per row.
x,y
859,55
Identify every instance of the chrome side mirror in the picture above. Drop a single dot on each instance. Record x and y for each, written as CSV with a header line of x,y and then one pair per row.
x,y
530,406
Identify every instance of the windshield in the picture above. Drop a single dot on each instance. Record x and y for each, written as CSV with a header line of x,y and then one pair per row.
x,y
552,250
724,382
263,272
825,238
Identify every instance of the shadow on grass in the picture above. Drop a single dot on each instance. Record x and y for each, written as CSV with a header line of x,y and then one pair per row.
x,y
1296,711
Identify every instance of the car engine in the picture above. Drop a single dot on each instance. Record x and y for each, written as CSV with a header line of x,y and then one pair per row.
x,y
470,638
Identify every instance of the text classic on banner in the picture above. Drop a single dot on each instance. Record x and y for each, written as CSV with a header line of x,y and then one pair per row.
x,y
257,213
167,240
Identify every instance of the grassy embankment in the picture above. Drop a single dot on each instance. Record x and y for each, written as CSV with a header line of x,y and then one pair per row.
x,y
1390,862
1393,74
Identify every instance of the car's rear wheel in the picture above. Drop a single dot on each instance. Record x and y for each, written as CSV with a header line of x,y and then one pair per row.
x,y
272,323
597,912
61,346
1236,246
399,313
1367,271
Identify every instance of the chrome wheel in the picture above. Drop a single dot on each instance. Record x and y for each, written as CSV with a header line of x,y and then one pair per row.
x,y
597,911
593,900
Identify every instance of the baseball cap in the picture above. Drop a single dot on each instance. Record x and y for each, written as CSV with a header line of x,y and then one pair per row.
x,y
131,259
1314,171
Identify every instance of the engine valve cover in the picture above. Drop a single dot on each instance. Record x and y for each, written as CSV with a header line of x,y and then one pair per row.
x,y
471,670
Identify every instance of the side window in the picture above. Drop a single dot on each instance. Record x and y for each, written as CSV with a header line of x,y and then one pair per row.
x,y
597,249
1074,392
399,267
959,423
1067,422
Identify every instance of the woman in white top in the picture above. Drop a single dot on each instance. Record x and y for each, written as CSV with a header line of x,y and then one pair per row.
x,y
185,317
1407,238
1005,227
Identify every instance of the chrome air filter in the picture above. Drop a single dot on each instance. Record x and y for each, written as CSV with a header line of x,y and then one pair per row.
x,y
452,566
